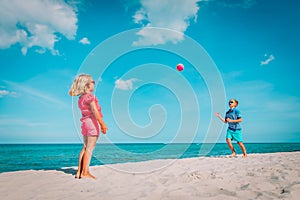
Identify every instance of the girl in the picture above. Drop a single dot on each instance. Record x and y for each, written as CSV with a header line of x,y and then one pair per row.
x,y
83,86
234,132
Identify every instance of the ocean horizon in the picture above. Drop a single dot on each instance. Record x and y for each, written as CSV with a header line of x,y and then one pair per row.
x,y
37,156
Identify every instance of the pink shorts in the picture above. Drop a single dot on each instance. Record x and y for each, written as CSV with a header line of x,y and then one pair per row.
x,y
90,127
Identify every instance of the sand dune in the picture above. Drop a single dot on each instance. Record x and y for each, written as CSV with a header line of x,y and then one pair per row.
x,y
260,176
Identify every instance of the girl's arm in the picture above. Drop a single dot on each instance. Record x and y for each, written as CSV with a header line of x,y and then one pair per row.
x,y
98,117
220,117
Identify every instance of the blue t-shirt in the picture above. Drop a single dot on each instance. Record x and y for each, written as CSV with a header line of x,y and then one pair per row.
x,y
233,114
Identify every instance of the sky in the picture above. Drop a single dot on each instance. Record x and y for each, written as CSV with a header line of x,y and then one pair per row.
x,y
242,49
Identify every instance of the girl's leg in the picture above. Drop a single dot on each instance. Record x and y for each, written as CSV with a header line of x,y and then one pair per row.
x,y
243,148
230,146
80,157
91,143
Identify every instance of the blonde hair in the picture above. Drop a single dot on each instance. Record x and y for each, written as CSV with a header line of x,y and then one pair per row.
x,y
79,86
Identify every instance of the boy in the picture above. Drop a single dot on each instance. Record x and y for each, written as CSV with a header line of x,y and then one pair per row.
x,y
234,132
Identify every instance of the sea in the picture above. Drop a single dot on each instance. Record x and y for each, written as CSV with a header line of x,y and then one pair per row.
x,y
16,157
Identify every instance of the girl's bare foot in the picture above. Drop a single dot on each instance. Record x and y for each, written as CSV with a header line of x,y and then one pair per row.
x,y
232,155
77,175
88,175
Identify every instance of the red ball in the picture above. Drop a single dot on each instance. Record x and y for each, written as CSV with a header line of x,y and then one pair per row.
x,y
180,67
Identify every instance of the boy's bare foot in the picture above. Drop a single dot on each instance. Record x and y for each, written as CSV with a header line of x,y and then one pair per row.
x,y
245,156
88,175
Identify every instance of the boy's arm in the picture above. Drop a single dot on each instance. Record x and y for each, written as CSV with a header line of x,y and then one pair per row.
x,y
234,120
98,117
221,118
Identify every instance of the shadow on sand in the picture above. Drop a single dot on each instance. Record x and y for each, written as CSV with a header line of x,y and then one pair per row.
x,y
71,171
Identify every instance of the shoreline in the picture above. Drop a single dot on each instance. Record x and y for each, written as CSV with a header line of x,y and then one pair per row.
x,y
162,159
261,176
55,156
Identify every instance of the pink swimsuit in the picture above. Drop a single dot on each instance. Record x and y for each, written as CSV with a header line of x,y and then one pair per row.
x,y
90,125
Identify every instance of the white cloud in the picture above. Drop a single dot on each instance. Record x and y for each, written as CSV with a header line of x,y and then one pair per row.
x,y
140,16
125,84
43,96
36,23
268,60
167,14
84,40
4,93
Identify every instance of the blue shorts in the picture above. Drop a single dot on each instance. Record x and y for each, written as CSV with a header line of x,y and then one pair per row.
x,y
234,135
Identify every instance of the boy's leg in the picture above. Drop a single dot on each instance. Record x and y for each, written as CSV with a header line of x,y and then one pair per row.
x,y
243,148
228,140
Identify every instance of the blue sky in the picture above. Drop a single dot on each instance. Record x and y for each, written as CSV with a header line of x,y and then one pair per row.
x,y
248,46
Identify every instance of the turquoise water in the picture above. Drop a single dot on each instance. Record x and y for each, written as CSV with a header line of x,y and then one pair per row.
x,y
16,157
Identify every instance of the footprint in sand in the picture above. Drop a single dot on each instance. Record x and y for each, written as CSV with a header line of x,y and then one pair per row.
x,y
195,175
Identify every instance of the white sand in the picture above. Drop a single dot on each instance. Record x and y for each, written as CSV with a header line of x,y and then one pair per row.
x,y
260,176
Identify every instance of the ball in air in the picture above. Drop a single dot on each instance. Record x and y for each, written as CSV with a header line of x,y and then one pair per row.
x,y
180,67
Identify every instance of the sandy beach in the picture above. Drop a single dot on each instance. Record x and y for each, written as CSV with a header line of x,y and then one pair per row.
x,y
260,176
